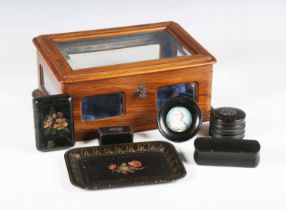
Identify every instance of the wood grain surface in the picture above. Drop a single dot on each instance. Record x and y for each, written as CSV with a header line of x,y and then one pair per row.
x,y
138,114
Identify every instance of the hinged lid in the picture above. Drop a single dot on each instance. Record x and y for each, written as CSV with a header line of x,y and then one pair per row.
x,y
108,53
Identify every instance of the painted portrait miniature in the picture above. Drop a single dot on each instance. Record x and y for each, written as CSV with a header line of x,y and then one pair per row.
x,y
179,119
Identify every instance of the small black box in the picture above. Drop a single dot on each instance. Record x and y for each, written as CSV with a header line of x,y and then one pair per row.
x,y
115,135
227,152
53,117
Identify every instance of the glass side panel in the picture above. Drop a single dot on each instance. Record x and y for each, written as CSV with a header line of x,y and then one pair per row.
x,y
88,53
48,84
167,92
102,106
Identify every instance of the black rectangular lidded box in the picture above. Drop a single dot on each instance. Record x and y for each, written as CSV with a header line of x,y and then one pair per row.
x,y
53,118
227,152
115,135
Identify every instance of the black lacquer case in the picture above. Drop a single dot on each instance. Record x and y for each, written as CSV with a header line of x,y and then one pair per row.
x,y
124,164
115,135
227,122
53,122
227,152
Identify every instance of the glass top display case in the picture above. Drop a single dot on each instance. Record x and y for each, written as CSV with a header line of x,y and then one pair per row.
x,y
123,76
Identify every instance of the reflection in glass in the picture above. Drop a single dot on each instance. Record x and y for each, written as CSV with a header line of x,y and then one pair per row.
x,y
167,92
111,57
179,119
48,84
88,53
102,106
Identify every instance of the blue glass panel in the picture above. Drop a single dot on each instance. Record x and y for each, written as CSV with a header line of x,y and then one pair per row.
x,y
102,106
167,92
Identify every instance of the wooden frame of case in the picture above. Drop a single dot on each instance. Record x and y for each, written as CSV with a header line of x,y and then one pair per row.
x,y
126,78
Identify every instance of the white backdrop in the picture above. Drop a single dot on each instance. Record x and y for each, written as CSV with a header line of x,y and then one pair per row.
x,y
247,37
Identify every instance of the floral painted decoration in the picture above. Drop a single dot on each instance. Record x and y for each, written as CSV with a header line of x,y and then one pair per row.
x,y
55,124
126,168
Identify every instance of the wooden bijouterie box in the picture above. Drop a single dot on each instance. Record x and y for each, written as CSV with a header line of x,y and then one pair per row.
x,y
122,76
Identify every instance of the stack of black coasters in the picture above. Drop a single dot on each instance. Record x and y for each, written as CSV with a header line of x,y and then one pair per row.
x,y
227,122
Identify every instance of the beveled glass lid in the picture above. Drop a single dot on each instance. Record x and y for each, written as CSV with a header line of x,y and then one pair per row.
x,y
95,52
123,51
